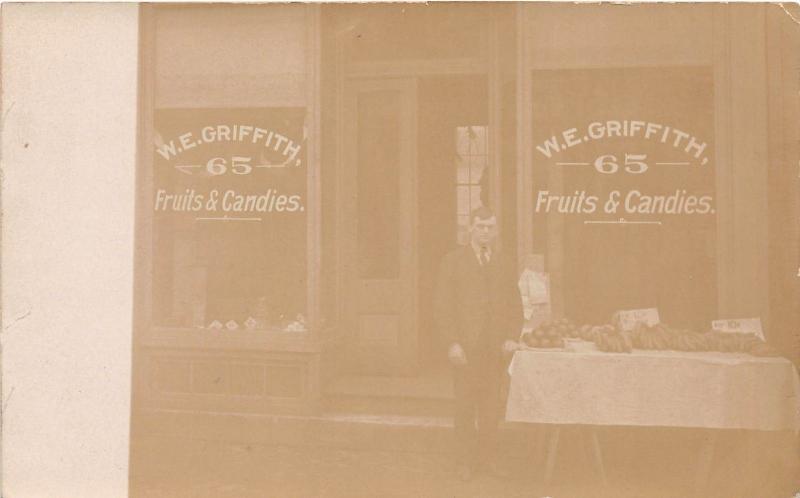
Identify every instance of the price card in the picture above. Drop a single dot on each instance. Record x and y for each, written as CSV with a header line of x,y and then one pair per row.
x,y
739,326
627,319
540,288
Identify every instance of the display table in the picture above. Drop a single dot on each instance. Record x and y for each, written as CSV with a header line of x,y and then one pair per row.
x,y
652,388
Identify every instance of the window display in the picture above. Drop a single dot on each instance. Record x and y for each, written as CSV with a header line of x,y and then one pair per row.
x,y
624,188
229,218
228,137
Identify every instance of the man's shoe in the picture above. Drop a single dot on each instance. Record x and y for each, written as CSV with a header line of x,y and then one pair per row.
x,y
464,473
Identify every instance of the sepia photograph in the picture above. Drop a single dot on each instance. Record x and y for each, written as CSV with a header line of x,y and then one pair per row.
x,y
445,249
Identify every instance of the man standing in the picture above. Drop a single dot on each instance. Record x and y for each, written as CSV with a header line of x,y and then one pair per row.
x,y
479,312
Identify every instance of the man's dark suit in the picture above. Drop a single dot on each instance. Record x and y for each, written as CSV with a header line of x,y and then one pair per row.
x,y
479,307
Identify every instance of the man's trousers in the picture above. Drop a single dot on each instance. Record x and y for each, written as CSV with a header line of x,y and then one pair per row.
x,y
478,407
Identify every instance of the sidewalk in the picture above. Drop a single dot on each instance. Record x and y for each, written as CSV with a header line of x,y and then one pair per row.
x,y
179,467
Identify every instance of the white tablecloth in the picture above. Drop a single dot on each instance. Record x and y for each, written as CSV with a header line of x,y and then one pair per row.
x,y
654,388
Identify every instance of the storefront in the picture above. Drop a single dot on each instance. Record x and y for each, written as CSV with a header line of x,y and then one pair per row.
x,y
304,168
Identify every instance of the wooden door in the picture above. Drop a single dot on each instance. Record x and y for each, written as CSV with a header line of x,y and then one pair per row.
x,y
377,224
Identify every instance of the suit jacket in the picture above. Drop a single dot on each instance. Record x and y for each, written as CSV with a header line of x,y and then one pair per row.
x,y
477,306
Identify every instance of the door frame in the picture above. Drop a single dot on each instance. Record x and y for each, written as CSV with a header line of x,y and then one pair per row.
x,y
487,64
405,357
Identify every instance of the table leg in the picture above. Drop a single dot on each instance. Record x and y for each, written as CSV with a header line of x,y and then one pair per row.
x,y
598,456
704,463
758,463
552,448
542,432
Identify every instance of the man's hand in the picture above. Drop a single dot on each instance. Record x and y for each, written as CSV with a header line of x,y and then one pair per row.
x,y
510,346
456,355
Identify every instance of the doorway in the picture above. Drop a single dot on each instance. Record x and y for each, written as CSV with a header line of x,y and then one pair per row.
x,y
376,223
453,179
416,156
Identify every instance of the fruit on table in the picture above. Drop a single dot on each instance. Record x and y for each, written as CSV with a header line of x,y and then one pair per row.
x,y
662,337
549,334
614,342
609,338
763,349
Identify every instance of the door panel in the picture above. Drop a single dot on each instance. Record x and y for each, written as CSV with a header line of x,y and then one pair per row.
x,y
378,260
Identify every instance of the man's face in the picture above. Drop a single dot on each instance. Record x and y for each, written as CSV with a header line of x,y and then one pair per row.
x,y
483,232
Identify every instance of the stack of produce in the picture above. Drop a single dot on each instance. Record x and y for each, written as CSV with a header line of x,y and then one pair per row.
x,y
549,334
662,337
761,348
607,338
659,337
592,333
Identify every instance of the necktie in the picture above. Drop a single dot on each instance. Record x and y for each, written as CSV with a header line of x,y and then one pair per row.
x,y
484,256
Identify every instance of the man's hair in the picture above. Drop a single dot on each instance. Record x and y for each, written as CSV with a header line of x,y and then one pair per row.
x,y
482,213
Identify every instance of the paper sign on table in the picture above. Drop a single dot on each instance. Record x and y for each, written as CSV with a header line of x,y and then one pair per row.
x,y
627,319
739,326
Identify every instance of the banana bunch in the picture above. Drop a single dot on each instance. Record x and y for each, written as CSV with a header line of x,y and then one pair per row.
x,y
739,343
607,338
763,349
662,337
618,341
593,333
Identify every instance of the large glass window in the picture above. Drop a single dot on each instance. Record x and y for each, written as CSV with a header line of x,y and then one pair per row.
x,y
230,168
624,189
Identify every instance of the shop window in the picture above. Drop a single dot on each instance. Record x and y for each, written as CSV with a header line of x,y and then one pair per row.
x,y
230,218
229,172
624,190
471,167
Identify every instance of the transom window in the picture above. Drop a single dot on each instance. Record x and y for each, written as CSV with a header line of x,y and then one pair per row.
x,y
471,159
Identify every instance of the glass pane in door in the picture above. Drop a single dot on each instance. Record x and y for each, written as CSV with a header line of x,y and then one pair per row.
x,y
378,189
